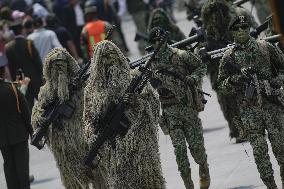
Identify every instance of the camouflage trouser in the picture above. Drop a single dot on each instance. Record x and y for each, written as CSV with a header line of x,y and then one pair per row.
x,y
230,111
255,121
139,20
185,126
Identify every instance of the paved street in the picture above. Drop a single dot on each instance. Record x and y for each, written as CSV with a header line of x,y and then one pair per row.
x,y
231,165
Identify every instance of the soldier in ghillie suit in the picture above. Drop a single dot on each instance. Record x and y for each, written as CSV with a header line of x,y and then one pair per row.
x,y
254,72
177,74
216,17
134,161
67,143
160,18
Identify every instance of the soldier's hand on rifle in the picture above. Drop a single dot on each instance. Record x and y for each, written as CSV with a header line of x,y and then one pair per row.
x,y
128,99
190,80
247,72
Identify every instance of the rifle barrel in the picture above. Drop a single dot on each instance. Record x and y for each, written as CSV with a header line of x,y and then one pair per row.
x,y
184,42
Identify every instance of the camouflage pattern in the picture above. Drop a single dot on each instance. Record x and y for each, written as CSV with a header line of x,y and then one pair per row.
x,y
259,113
134,162
216,16
67,144
180,115
159,18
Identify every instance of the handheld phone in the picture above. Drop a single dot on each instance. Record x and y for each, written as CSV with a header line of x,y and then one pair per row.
x,y
20,74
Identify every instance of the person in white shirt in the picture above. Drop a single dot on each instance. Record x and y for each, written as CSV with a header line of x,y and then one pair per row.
x,y
44,40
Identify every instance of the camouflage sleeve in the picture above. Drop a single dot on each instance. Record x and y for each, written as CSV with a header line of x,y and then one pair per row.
x,y
224,86
277,60
195,65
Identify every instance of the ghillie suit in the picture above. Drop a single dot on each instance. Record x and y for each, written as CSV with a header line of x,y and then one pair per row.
x,y
67,143
159,18
134,162
216,18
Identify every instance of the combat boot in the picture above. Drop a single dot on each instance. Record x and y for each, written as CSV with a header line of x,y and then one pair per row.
x,y
204,176
188,183
270,182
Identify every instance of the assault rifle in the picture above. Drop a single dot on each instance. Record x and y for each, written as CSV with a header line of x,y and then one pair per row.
x,y
113,123
240,2
255,33
144,36
58,109
256,82
183,43
219,53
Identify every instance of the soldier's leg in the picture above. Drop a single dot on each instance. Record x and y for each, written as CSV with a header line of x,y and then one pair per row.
x,y
9,168
262,160
139,20
179,143
194,136
253,124
275,129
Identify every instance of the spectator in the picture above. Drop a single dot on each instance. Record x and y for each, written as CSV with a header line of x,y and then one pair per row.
x,y
94,31
74,21
19,5
44,40
62,34
15,129
22,54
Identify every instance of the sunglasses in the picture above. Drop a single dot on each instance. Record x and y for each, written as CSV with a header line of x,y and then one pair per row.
x,y
243,27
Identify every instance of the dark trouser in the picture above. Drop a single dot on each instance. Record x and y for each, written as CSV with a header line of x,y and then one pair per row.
x,y
16,165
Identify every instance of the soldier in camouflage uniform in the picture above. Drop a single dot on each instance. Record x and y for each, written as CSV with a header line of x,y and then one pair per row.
x,y
261,110
159,18
138,11
216,17
177,73
134,161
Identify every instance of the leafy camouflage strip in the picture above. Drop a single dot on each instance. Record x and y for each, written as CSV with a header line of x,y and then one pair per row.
x,y
135,163
67,145
160,18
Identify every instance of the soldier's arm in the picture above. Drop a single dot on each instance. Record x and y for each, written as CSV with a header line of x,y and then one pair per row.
x,y
195,65
277,61
223,81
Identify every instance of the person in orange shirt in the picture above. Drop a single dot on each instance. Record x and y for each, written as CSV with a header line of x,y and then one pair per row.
x,y
94,31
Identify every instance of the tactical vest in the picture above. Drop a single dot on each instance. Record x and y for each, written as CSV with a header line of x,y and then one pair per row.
x,y
96,33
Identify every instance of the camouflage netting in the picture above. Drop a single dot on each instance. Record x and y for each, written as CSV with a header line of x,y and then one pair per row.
x,y
67,144
159,18
135,161
215,17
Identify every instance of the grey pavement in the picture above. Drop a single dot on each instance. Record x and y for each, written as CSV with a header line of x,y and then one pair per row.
x,y
231,165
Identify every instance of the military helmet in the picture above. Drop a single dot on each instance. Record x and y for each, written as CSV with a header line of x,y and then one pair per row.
x,y
91,6
242,18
